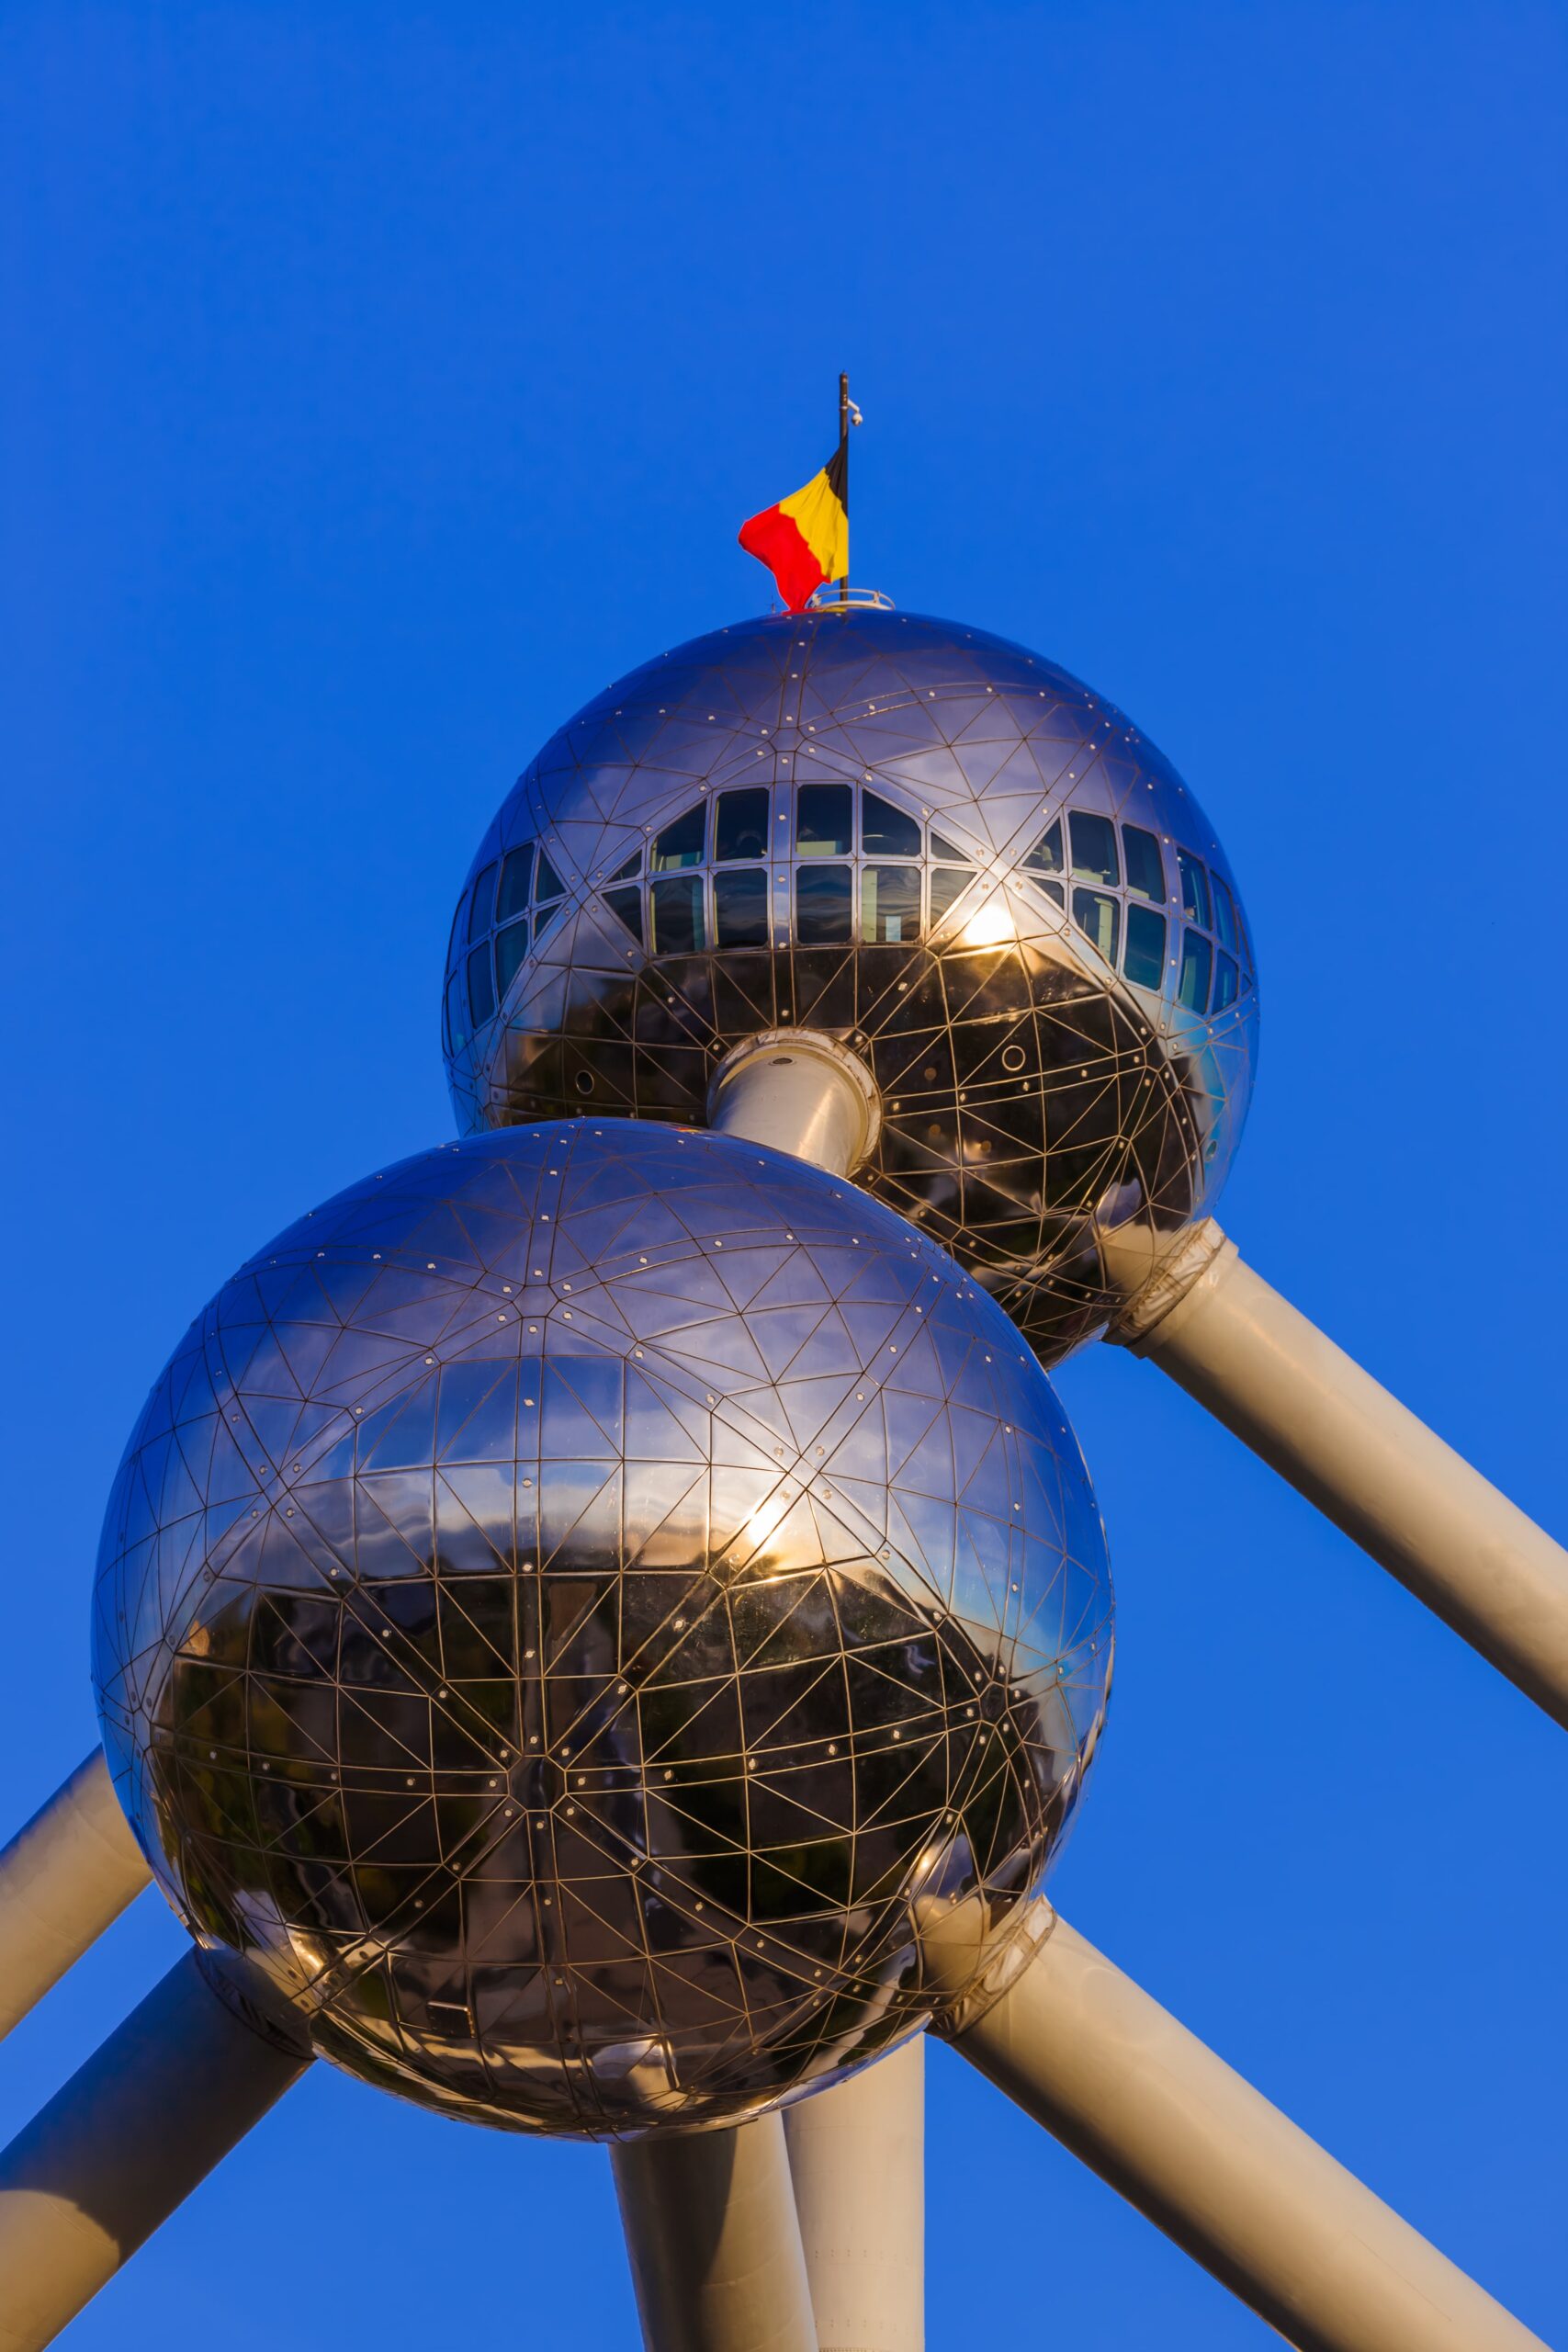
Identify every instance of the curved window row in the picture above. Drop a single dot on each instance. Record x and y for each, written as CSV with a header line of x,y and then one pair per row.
x,y
1119,878
861,869
511,906
720,875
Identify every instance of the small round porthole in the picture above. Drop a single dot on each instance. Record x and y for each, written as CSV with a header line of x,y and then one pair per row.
x,y
1013,1057
585,1081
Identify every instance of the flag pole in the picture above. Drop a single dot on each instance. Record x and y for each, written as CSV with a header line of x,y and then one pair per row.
x,y
844,465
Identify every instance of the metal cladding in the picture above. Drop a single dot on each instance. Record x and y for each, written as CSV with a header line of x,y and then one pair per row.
x,y
923,840
569,1599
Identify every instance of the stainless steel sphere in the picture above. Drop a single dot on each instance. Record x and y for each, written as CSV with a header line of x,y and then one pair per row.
x,y
923,840
570,1601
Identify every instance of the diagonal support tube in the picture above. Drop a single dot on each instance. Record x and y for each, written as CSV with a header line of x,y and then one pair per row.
x,y
714,2242
124,2143
64,1878
1367,1464
1146,2105
857,2158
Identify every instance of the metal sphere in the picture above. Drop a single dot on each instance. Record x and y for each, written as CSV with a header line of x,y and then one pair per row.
x,y
922,840
569,1601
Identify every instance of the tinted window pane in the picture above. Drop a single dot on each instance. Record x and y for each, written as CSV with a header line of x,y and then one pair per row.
x,y
947,881
741,905
677,911
947,850
824,814
547,918
633,865
1054,891
1094,847
1145,948
1145,868
481,991
1224,914
1045,857
626,905
740,827
1196,957
886,832
510,946
822,900
1100,917
1194,889
481,908
456,1013
1227,980
548,882
890,903
681,844
516,876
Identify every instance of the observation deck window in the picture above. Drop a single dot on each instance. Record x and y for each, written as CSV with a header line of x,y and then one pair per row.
x,y
1146,866
510,946
456,1013
677,911
681,844
740,827
886,831
1226,928
1045,857
1100,918
1094,848
823,900
1227,980
1194,889
482,907
1144,962
741,905
482,988
948,882
824,820
890,904
516,881
1197,961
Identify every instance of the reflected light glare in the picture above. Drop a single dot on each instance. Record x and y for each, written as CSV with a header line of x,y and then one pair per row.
x,y
990,924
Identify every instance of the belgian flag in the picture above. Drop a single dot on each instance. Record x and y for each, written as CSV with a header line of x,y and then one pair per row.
x,y
804,539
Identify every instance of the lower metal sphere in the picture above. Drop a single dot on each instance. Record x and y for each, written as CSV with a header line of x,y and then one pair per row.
x,y
570,1599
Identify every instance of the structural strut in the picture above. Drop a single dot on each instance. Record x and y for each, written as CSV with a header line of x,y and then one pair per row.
x,y
1169,2124
1367,1464
714,2245
857,2157
124,2143
64,1878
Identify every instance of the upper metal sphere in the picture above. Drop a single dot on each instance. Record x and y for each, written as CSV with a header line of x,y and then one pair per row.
x,y
922,840
573,1604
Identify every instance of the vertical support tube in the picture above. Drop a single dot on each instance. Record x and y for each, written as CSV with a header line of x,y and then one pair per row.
x,y
857,2156
1367,1464
123,2144
714,2242
64,1878
1146,2105
798,1091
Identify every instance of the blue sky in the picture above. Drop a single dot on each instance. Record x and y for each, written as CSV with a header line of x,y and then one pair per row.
x,y
382,382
